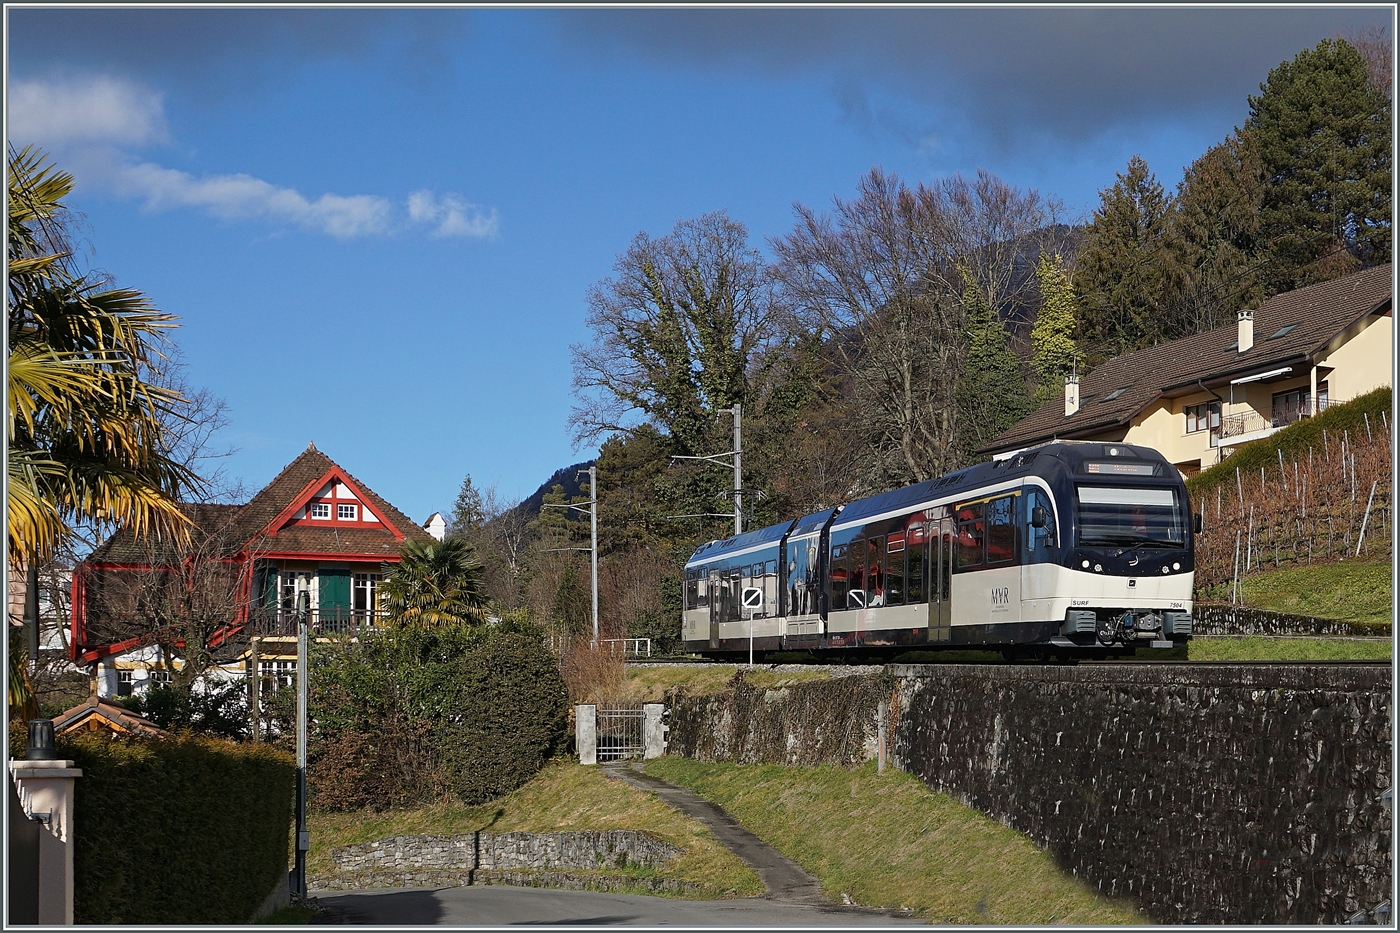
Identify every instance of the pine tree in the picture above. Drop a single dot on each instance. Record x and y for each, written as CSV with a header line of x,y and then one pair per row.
x,y
992,391
467,512
1052,338
1215,236
1124,271
1324,138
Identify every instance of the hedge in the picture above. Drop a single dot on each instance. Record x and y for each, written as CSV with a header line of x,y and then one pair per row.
x,y
184,830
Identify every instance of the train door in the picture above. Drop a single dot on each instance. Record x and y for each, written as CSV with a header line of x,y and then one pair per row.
x,y
938,581
716,608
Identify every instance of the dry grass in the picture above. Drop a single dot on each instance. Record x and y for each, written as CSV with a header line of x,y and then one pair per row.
x,y
593,675
651,684
564,796
886,840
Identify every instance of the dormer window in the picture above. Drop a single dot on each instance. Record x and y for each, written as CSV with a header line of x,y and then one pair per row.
x,y
1114,394
320,510
345,513
1282,331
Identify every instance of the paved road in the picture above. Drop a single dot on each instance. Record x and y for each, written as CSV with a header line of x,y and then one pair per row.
x,y
793,897
500,905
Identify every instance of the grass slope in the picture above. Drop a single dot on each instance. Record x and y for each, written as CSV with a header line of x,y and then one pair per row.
x,y
564,796
886,840
650,684
1357,592
1264,648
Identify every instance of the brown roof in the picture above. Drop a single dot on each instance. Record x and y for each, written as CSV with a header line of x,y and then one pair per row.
x,y
231,529
1320,312
114,717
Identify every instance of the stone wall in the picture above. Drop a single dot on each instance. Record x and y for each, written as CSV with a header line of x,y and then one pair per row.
x,y
812,722
1224,793
533,859
1208,793
1210,619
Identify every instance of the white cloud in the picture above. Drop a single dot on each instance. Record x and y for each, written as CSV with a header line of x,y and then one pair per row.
x,y
94,124
451,215
88,110
238,196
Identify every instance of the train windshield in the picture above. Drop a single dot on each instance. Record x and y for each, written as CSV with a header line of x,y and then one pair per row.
x,y
1111,516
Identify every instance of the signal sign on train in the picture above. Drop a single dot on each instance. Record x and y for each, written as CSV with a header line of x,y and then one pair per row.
x,y
753,598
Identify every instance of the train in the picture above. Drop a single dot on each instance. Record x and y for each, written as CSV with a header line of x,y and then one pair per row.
x,y
1066,549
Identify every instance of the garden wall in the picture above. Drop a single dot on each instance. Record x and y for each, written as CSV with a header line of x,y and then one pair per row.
x,y
1207,793
1211,619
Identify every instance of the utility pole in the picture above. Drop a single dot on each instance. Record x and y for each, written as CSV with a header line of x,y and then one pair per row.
x,y
592,504
593,541
738,472
737,462
298,884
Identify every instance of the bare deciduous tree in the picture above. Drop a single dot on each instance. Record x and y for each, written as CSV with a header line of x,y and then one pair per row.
x,y
883,279
1373,42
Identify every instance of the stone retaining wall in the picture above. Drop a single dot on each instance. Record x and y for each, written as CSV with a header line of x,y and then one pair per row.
x,y
452,878
1242,620
459,855
1225,793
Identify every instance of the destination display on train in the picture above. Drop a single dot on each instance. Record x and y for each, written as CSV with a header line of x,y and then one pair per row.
x,y
1120,468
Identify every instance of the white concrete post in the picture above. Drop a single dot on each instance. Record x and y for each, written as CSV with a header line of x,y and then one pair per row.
x,y
46,791
653,730
586,733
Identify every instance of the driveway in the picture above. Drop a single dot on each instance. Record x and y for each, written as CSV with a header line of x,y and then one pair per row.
x,y
501,905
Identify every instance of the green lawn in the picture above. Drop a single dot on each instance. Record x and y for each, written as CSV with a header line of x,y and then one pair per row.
x,y
1264,648
1350,590
564,796
886,840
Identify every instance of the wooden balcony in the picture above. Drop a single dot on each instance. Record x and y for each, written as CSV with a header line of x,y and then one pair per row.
x,y
283,622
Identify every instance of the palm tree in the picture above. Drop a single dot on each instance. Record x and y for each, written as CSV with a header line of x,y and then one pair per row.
x,y
88,437
435,583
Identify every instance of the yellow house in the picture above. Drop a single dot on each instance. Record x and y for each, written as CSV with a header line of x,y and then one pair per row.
x,y
1198,398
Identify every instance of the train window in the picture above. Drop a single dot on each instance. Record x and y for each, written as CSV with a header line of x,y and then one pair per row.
x,y
1001,534
837,575
894,569
1039,541
914,589
875,572
771,568
856,595
692,592
971,532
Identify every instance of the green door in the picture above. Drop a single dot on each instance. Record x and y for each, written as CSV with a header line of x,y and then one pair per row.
x,y
333,597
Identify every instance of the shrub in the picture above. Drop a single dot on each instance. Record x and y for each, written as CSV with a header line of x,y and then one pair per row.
x,y
186,829
219,710
411,712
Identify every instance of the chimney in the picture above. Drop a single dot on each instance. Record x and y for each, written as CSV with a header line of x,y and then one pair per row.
x,y
1071,395
1246,331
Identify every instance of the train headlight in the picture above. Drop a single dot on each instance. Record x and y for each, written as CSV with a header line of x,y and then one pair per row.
x,y
1098,568
1176,565
1086,565
1166,570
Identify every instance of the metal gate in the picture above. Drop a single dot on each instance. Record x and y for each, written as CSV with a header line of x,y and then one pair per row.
x,y
620,733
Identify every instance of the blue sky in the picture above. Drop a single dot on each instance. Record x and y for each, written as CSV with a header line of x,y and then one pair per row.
x,y
378,227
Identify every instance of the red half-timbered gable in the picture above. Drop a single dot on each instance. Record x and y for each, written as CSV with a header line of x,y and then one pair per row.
x,y
314,529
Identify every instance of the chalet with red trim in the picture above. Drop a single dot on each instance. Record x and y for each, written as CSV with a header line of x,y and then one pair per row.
x,y
313,529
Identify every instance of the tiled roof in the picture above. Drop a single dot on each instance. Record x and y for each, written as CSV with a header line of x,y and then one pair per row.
x,y
1320,312
234,528
111,713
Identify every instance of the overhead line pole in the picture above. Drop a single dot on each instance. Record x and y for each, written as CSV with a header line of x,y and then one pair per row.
x,y
737,463
592,504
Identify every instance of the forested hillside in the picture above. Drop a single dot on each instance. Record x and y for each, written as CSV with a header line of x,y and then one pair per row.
x,y
888,336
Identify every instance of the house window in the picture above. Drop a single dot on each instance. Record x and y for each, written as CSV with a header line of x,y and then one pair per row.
x,y
1290,406
292,583
124,682
345,513
276,674
1204,417
366,593
320,510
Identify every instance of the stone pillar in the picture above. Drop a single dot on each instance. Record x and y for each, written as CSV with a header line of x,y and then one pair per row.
x,y
586,733
46,791
653,730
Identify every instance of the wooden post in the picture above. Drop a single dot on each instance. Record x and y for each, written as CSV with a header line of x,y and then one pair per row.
x,y
1365,515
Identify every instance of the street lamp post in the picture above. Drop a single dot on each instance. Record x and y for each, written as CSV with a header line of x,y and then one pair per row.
x,y
298,884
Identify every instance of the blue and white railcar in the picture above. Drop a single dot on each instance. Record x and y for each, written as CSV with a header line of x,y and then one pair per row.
x,y
1068,545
